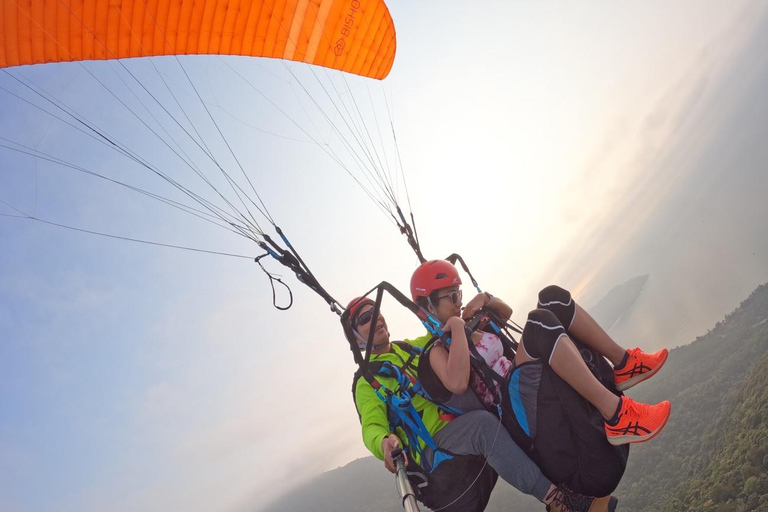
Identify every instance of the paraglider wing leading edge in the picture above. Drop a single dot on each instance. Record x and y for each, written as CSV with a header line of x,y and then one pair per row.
x,y
354,36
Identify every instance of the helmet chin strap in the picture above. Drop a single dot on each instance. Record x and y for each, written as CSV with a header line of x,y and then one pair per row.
x,y
380,345
362,343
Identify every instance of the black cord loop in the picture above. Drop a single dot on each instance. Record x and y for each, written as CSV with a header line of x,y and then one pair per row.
x,y
272,279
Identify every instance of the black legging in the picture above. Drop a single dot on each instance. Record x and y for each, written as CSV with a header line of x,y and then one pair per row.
x,y
547,324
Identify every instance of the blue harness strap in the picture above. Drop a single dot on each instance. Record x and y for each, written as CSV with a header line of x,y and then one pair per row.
x,y
404,414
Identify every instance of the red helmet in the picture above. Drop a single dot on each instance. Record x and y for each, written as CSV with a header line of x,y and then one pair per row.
x,y
433,275
354,305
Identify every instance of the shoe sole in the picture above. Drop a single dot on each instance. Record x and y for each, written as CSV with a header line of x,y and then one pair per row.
x,y
640,378
620,440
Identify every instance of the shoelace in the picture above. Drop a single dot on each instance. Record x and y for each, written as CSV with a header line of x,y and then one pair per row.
x,y
569,499
638,368
634,408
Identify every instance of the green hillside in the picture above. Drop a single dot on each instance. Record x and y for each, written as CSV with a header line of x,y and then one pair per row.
x,y
363,485
704,381
736,477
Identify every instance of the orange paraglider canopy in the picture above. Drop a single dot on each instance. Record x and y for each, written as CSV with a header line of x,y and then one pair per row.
x,y
356,36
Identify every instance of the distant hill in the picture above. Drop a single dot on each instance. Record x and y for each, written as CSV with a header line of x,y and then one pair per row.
x,y
618,302
712,456
362,485
704,381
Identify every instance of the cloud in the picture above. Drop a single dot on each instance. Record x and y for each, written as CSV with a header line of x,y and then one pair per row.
x,y
627,179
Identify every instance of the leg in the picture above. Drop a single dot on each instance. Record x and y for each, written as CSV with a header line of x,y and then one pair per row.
x,y
630,366
578,322
567,362
545,338
627,421
480,433
586,329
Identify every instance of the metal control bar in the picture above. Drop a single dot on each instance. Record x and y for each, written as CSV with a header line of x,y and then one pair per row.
x,y
404,488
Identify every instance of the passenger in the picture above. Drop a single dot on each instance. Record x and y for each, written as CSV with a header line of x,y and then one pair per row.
x,y
546,339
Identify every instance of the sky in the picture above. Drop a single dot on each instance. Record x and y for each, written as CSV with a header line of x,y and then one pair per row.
x,y
546,142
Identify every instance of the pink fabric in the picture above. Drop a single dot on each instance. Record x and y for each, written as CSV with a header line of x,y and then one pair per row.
x,y
491,349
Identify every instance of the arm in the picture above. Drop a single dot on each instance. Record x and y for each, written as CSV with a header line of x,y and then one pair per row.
x,y
501,307
377,437
373,418
452,367
482,300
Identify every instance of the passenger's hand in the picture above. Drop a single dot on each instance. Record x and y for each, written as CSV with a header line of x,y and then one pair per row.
x,y
388,445
479,301
454,324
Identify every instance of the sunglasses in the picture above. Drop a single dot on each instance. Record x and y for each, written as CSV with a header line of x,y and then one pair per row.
x,y
364,318
454,296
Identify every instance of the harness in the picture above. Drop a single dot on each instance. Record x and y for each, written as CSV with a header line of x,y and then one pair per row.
x,y
400,409
491,378
402,414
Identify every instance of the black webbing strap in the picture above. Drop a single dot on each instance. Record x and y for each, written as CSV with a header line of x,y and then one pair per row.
x,y
488,375
409,230
504,326
290,258
362,360
453,258
412,353
504,330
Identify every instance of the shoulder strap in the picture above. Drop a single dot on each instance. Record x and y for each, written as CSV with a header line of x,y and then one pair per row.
x,y
407,347
371,369
435,390
412,351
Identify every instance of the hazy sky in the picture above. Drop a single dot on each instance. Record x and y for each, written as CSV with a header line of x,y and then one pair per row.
x,y
545,142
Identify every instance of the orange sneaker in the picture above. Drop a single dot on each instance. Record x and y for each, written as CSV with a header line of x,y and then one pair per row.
x,y
639,366
637,422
